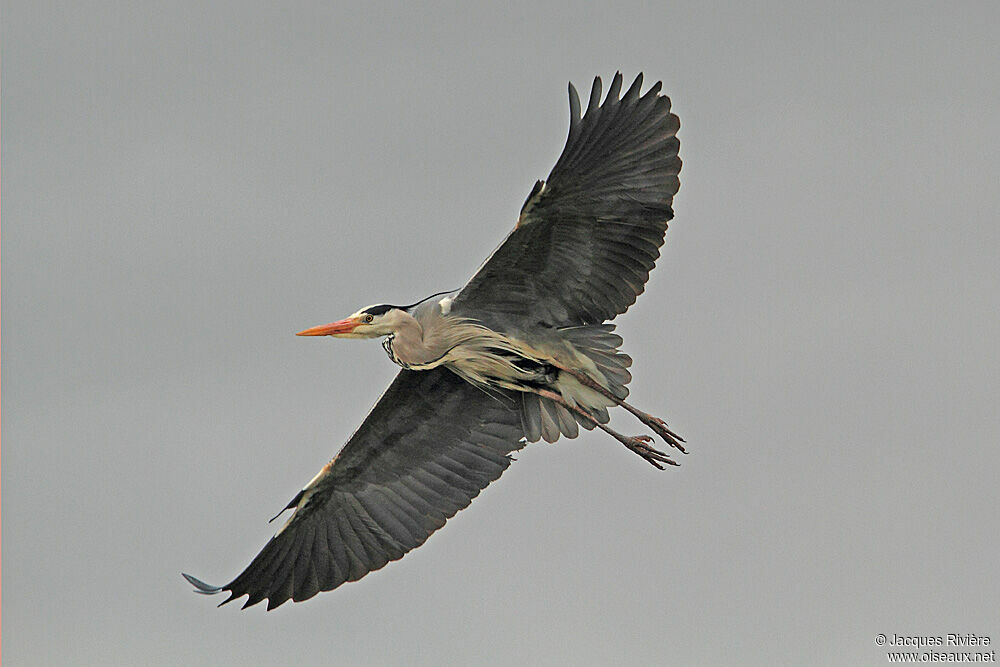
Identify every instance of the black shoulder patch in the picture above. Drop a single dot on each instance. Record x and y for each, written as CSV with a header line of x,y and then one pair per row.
x,y
531,195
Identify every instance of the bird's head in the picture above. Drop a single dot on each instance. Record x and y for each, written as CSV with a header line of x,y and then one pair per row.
x,y
369,322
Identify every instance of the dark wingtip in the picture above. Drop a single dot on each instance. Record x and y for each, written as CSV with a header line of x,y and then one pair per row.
x,y
632,93
595,94
200,586
614,92
574,106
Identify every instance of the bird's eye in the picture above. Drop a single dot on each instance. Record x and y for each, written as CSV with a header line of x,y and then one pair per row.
x,y
369,318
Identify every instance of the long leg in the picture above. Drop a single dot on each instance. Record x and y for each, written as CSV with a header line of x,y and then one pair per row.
x,y
640,444
655,423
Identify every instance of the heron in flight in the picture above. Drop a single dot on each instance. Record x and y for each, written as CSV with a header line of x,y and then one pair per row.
x,y
523,352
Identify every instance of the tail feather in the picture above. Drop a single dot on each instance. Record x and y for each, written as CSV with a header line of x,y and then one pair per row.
x,y
531,416
545,419
600,345
550,422
567,422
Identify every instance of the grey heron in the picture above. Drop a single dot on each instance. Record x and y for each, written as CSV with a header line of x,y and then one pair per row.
x,y
522,352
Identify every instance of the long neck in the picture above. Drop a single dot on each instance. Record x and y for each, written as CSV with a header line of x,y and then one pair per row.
x,y
408,343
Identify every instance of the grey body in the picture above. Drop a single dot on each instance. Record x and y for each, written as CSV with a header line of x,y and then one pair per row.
x,y
432,334
523,351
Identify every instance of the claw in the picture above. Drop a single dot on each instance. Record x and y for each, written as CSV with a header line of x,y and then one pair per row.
x,y
640,444
658,425
661,429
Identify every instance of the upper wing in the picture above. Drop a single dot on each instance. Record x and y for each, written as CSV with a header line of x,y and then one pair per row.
x,y
587,238
428,447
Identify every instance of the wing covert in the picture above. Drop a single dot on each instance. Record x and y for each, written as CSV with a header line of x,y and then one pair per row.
x,y
587,238
427,448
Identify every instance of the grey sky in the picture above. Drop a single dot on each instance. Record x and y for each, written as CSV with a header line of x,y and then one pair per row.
x,y
185,186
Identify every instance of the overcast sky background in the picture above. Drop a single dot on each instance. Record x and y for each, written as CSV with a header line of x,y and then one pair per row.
x,y
186,186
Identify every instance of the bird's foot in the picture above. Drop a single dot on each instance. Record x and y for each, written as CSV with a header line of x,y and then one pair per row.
x,y
661,429
641,445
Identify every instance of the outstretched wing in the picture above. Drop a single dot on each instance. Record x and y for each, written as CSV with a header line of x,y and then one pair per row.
x,y
587,238
428,447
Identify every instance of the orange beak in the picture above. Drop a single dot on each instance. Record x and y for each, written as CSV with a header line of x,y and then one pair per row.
x,y
332,329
